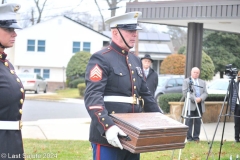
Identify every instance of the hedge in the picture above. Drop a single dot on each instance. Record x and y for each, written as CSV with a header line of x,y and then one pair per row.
x,y
75,82
176,97
81,88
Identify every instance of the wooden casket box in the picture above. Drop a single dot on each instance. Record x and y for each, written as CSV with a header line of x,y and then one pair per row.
x,y
150,132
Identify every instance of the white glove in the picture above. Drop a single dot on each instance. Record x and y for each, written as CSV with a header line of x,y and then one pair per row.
x,y
112,136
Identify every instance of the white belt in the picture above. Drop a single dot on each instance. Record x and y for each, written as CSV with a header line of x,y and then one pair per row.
x,y
132,100
10,125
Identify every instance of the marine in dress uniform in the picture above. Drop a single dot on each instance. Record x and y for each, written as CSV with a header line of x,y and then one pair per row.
x,y
11,89
115,84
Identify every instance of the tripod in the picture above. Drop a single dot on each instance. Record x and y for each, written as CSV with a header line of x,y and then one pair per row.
x,y
186,108
229,95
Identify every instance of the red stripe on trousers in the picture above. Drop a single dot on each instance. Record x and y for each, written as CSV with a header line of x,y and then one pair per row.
x,y
98,152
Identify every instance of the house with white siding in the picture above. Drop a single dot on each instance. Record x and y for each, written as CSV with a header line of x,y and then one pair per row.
x,y
46,48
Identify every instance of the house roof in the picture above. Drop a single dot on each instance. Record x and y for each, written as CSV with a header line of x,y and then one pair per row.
x,y
222,15
148,36
153,48
87,27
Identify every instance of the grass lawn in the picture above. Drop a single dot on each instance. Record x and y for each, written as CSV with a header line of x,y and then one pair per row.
x,y
81,150
60,94
68,93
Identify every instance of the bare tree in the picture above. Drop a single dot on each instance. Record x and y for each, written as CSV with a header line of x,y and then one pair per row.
x,y
112,6
2,1
82,17
103,24
40,10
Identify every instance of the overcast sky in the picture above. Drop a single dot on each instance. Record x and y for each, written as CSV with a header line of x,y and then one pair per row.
x,y
57,7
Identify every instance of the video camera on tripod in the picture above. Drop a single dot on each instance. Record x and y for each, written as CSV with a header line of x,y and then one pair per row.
x,y
231,101
231,72
190,83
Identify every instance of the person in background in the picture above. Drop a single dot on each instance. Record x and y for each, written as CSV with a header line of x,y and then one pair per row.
x,y
199,95
115,84
11,90
150,75
236,106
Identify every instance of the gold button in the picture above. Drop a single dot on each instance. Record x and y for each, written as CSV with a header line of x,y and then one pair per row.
x,y
21,101
134,79
108,48
20,111
6,63
123,51
134,87
113,112
106,125
127,57
99,114
134,95
103,119
120,74
132,72
18,79
12,71
0,55
22,90
130,65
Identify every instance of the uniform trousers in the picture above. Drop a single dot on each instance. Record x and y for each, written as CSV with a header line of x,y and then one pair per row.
x,y
101,152
237,122
196,122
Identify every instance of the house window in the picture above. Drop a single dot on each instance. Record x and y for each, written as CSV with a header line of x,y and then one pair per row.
x,y
76,47
46,73
86,46
41,45
30,45
38,71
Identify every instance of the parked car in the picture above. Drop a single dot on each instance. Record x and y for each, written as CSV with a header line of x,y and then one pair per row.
x,y
169,84
33,82
218,86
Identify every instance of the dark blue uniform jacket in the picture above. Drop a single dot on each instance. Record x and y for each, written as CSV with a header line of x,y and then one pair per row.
x,y
113,72
11,101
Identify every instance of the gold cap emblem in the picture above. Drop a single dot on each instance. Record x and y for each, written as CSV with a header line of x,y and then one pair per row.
x,y
136,15
16,8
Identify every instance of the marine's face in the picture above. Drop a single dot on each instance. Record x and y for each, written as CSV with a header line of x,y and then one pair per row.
x,y
129,36
7,37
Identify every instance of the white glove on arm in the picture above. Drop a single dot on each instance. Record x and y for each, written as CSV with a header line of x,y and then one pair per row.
x,y
112,136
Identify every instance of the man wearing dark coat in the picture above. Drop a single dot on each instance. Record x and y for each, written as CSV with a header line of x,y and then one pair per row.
x,y
11,90
115,84
150,75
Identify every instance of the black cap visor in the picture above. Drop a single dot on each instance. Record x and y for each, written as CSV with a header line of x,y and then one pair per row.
x,y
9,24
129,27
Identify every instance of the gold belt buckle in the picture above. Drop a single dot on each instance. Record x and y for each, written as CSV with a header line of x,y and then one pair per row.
x,y
20,125
134,99
141,99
